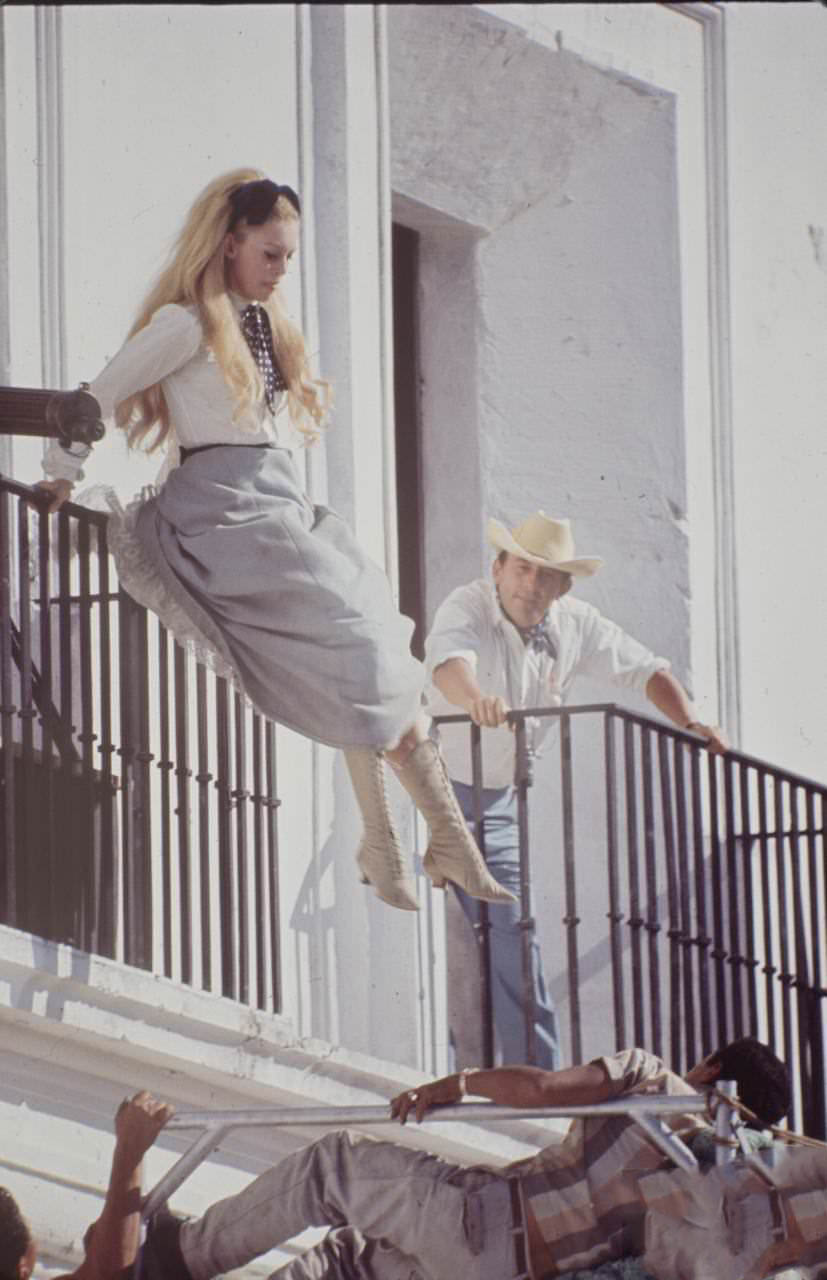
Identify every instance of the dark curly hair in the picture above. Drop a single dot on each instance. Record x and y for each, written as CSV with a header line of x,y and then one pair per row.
x,y
15,1236
762,1080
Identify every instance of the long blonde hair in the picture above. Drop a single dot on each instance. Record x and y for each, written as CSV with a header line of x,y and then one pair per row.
x,y
196,275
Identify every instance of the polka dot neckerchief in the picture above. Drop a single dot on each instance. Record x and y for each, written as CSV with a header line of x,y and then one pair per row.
x,y
255,325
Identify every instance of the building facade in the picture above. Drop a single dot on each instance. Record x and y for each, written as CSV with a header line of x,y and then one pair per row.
x,y
559,257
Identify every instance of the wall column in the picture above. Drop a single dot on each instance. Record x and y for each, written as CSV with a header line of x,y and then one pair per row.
x,y
352,205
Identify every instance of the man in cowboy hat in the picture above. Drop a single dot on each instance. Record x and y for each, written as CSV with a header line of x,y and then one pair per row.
x,y
519,641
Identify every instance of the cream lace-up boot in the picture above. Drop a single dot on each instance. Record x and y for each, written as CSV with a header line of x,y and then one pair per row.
x,y
380,856
452,852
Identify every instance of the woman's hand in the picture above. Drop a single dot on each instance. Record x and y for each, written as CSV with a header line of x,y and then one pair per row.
x,y
60,490
439,1093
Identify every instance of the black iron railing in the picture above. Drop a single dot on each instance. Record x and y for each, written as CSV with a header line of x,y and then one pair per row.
x,y
137,789
711,873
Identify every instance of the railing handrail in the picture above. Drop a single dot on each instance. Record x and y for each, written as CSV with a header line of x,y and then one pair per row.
x,y
467,1112
648,722
99,518
41,498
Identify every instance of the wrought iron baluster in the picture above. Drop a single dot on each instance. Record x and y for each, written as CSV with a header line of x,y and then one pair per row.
x,y
165,764
63,887
719,950
817,1118
702,937
88,925
482,924
733,946
240,795
47,805
203,778
689,1004
635,918
273,802
260,870
652,924
183,774
8,711
227,880
767,899
675,933
28,851
800,985
137,793
785,976
523,780
107,871
750,959
615,912
571,919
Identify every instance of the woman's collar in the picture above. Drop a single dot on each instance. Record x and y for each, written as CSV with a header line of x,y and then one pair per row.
x,y
238,302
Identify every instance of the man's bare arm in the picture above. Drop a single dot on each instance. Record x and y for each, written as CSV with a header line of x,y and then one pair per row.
x,y
669,696
510,1087
112,1242
456,682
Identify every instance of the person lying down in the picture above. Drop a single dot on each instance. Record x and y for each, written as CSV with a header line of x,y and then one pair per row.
x,y
603,1197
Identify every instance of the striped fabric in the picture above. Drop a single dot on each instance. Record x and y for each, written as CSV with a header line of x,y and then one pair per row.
x,y
585,1194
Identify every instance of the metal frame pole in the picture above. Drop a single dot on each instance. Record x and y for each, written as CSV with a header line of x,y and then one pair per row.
x,y
216,1124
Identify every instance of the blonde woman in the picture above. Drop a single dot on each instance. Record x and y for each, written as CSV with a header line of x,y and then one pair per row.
x,y
230,552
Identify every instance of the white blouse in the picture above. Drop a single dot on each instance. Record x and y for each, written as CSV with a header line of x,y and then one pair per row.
x,y
171,350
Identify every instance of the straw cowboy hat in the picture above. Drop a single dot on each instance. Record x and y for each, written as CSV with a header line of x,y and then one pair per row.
x,y
543,541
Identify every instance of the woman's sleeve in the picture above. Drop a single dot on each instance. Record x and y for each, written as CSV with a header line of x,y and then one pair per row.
x,y
171,338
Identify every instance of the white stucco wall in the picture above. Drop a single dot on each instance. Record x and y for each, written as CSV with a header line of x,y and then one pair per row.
x,y
778,191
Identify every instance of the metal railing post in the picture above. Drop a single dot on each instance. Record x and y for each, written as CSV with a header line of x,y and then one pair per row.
x,y
571,919
482,926
615,913
523,778
136,757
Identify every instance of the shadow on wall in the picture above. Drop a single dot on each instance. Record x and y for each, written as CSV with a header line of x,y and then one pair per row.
x,y
354,954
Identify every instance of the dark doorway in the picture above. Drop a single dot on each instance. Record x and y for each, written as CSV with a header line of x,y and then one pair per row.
x,y
408,430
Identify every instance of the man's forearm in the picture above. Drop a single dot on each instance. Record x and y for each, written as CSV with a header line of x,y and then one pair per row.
x,y
509,1087
532,1087
457,682
121,1217
669,696
113,1240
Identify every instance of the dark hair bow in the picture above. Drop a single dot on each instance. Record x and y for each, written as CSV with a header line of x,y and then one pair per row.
x,y
254,201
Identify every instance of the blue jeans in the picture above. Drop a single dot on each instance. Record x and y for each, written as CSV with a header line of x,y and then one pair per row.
x,y
502,855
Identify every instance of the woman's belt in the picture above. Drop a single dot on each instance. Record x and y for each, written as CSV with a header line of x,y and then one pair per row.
x,y
185,452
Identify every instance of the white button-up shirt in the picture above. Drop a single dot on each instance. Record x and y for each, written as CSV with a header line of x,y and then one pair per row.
x,y
470,624
171,350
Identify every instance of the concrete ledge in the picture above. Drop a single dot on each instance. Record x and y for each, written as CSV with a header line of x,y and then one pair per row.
x,y
78,1032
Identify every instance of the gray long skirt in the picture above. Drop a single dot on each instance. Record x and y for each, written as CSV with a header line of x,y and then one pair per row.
x,y
283,593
